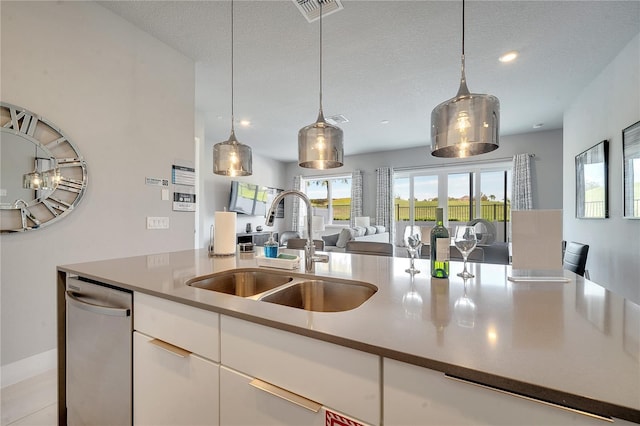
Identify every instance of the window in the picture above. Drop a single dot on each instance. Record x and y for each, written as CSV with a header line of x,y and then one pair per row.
x,y
330,198
464,193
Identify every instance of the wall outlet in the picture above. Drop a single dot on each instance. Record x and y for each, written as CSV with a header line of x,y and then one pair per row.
x,y
157,222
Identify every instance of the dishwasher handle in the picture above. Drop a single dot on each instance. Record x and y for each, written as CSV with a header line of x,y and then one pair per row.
x,y
97,309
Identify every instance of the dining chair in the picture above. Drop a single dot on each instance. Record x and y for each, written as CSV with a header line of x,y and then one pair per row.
x,y
575,258
369,247
299,243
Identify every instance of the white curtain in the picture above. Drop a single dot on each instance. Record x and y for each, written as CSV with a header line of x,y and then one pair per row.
x,y
521,196
295,214
356,195
384,200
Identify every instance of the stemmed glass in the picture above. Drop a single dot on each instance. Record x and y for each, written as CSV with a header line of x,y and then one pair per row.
x,y
465,241
412,241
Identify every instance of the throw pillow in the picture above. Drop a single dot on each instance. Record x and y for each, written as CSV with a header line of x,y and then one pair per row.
x,y
330,240
370,230
346,235
380,229
359,231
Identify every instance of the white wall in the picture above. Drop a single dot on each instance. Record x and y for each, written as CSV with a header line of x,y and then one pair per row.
x,y
127,101
546,167
609,104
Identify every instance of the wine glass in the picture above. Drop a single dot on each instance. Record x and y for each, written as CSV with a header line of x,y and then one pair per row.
x,y
465,241
413,242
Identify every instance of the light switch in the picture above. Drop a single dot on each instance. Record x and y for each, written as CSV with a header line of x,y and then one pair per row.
x,y
165,195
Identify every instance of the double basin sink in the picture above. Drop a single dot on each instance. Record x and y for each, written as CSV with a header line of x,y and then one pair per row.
x,y
302,292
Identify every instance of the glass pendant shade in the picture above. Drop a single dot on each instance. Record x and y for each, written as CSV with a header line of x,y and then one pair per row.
x,y
466,125
320,145
232,158
32,180
51,178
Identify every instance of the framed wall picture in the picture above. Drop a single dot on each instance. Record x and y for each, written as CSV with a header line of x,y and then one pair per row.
x,y
631,166
592,182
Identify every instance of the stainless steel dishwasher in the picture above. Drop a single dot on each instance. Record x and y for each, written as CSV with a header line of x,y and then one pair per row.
x,y
99,354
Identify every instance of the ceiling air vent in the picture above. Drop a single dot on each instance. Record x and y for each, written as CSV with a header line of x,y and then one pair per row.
x,y
337,119
310,9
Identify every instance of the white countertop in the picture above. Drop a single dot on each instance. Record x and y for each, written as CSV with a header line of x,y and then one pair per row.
x,y
556,341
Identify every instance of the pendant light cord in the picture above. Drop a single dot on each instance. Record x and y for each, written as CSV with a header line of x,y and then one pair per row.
x,y
232,116
320,2
462,27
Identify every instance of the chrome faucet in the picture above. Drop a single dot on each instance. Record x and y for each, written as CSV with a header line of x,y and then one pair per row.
x,y
309,249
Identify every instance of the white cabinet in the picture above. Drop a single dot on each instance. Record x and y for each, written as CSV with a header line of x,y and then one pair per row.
x,y
172,386
175,376
334,376
245,404
419,396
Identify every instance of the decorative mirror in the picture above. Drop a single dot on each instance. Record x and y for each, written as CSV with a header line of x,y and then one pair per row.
x,y
631,158
592,190
42,176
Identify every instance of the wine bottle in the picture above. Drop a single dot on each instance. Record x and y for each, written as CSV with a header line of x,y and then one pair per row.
x,y
439,248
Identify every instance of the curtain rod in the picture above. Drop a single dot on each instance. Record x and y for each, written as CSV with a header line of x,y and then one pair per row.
x,y
461,163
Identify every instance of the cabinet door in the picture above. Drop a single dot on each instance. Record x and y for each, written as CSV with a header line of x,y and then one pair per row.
x,y
339,377
172,386
419,396
243,404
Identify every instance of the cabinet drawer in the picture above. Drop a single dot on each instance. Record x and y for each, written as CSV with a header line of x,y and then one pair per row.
x,y
173,389
243,404
414,395
332,375
193,329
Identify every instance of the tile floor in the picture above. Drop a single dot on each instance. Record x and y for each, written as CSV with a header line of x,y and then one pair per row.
x,y
31,402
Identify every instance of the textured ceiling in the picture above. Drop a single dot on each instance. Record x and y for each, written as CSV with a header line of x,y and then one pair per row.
x,y
383,60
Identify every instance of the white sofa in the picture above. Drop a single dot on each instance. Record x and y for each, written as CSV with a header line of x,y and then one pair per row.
x,y
337,242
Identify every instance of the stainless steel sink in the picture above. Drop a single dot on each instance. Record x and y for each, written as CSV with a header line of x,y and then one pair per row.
x,y
244,283
322,295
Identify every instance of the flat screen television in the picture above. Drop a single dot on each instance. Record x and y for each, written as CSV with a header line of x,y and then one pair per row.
x,y
251,199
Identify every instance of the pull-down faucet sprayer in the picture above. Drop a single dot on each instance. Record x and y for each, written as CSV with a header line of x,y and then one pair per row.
x,y
309,249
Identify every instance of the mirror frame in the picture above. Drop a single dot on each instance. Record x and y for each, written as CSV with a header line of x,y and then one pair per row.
x,y
600,153
48,206
630,152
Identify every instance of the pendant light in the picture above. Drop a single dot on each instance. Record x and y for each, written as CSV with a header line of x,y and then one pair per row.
x,y
232,158
320,143
33,180
467,124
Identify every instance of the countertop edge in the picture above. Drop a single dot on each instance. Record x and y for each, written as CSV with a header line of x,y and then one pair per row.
x,y
587,406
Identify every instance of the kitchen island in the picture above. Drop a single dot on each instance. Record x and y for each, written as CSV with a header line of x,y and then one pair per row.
x,y
571,344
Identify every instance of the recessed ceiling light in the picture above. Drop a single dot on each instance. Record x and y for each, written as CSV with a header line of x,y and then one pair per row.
x,y
384,122
509,56
245,123
538,125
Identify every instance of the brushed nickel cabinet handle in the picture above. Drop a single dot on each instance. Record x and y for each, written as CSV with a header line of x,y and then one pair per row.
x,y
96,309
286,395
175,350
528,398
